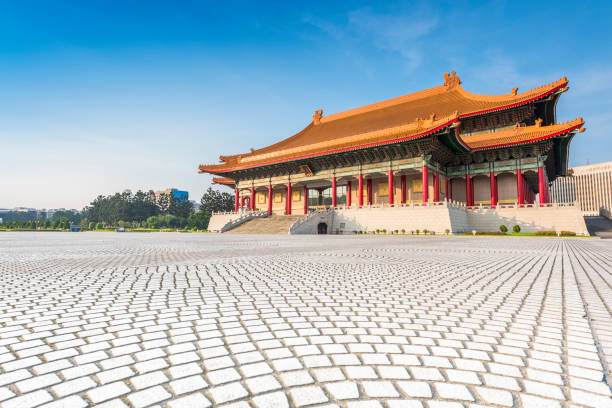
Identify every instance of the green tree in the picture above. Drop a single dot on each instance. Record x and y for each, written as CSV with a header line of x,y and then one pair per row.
x,y
215,201
198,220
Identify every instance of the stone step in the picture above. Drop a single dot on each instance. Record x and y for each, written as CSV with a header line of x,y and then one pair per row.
x,y
275,224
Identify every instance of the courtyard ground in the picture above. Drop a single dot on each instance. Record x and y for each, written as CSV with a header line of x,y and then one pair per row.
x,y
197,320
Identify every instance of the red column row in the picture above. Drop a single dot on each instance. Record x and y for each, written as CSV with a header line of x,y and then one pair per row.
x,y
469,190
403,184
288,200
334,200
425,184
493,188
360,190
236,198
390,187
269,199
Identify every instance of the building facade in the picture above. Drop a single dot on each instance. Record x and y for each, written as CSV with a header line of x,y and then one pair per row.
x,y
590,186
174,193
440,144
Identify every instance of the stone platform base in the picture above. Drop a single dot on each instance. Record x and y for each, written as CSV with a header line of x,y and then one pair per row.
x,y
443,216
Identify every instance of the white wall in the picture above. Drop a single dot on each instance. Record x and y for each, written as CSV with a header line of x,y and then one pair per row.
x,y
438,218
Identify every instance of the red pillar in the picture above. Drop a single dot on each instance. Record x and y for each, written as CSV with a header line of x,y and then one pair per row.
x,y
437,186
305,200
496,192
425,184
348,193
468,190
450,189
403,183
541,186
242,202
360,187
390,186
236,201
270,199
288,199
519,188
369,188
334,196
252,200
492,188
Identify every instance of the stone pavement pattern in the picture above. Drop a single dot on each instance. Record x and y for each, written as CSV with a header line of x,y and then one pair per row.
x,y
197,320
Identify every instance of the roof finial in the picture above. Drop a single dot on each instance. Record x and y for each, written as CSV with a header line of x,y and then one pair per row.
x,y
514,91
538,122
316,118
451,81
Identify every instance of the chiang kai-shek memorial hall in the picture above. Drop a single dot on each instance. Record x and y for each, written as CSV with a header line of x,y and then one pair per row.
x,y
443,144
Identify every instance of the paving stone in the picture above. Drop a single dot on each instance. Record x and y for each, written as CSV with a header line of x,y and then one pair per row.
x,y
272,400
190,401
148,397
343,390
369,321
229,392
308,395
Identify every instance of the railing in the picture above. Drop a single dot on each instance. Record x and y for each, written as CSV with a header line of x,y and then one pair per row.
x,y
309,216
243,218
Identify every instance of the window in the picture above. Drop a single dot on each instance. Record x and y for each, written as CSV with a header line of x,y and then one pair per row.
x,y
278,197
296,195
261,198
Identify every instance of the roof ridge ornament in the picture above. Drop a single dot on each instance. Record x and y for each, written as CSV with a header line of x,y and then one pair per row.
x,y
514,91
316,117
451,81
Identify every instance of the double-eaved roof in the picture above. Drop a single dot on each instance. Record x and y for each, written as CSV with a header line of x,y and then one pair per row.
x,y
401,119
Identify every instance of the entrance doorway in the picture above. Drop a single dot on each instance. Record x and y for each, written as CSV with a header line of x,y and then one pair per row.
x,y
322,228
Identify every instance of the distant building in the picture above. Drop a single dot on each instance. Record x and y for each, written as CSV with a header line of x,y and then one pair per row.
x,y
590,186
173,192
196,205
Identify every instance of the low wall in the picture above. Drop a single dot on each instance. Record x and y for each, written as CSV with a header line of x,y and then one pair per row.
x,y
221,222
531,219
439,217
433,218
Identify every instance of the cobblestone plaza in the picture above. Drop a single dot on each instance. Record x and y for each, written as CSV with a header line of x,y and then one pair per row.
x,y
197,320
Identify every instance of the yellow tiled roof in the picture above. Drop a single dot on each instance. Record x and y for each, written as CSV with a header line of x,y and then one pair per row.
x,y
407,116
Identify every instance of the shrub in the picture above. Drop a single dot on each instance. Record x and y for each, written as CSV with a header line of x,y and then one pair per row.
x,y
403,231
424,231
384,230
396,231
418,231
91,226
516,228
377,231
503,228
486,233
99,226
546,233
568,234
447,231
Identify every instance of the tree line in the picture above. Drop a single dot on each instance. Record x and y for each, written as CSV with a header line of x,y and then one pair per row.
x,y
139,210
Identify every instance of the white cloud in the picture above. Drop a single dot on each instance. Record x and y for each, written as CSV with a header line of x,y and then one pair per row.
x,y
399,33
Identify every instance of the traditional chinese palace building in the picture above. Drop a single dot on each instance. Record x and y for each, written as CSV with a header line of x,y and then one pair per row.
x,y
443,144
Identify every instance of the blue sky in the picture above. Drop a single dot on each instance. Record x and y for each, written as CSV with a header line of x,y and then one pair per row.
x,y
97,97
